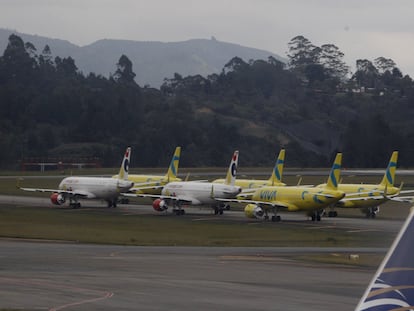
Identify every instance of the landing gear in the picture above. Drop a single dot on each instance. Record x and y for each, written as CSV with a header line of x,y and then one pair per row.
x,y
332,214
74,205
124,201
112,203
179,212
276,218
371,212
218,210
316,216
177,209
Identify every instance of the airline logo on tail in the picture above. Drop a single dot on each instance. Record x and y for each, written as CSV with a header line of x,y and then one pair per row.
x,y
232,171
278,169
173,168
389,176
335,173
393,285
123,172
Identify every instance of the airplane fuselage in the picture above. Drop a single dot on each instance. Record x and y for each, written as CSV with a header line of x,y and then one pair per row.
x,y
250,183
95,187
298,198
364,200
150,181
200,192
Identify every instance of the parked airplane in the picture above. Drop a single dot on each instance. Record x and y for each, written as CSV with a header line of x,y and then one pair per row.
x,y
274,180
152,184
392,287
293,198
368,197
106,188
195,192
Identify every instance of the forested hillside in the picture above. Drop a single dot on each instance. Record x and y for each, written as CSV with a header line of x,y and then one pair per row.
x,y
313,107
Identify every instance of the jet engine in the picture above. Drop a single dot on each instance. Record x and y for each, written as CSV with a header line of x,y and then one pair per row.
x,y
159,205
253,211
57,198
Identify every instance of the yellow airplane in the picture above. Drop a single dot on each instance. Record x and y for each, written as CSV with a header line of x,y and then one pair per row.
x,y
294,198
152,184
368,197
274,180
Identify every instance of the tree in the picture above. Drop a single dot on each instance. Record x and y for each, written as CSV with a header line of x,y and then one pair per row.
x,y
384,64
234,65
124,72
16,61
366,73
331,58
302,52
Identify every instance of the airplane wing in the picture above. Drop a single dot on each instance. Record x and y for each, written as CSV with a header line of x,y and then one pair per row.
x,y
134,189
84,194
261,203
405,199
163,197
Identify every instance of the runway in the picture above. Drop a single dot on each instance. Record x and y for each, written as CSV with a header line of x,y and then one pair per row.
x,y
61,276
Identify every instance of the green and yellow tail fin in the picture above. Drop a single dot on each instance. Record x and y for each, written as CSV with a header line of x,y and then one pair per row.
x,y
173,168
277,173
389,176
123,171
335,174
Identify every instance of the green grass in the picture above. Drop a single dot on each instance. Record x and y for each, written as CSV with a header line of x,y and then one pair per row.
x,y
363,260
113,227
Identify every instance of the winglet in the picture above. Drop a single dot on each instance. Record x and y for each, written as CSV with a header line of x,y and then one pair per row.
x,y
277,173
173,168
393,284
231,172
389,176
123,171
335,173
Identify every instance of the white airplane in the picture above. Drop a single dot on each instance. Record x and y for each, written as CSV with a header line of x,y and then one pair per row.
x,y
179,193
106,188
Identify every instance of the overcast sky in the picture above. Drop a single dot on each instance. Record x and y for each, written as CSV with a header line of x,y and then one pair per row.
x,y
362,29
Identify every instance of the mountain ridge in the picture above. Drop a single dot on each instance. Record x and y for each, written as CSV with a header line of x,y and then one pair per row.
x,y
153,61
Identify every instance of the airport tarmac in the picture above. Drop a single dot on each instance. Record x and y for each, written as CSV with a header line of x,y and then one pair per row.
x,y
65,276
68,276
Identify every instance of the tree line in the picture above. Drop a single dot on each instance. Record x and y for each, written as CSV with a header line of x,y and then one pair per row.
x,y
312,107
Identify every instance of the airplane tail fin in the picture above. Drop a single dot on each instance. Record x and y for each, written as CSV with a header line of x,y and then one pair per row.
x,y
231,172
392,287
123,171
389,176
277,173
173,168
335,173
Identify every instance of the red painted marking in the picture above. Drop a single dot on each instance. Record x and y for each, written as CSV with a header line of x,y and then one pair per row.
x,y
31,282
77,303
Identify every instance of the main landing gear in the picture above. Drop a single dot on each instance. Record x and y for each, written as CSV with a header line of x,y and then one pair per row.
x,y
112,203
332,214
371,212
74,204
274,218
316,216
